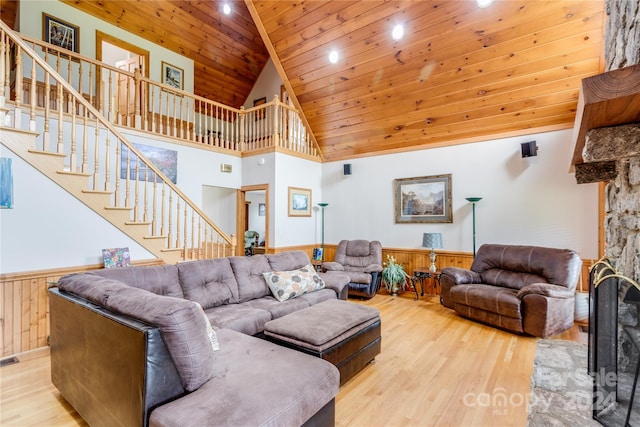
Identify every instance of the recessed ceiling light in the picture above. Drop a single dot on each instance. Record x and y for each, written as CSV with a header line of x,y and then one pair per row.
x,y
484,3
226,9
333,56
398,32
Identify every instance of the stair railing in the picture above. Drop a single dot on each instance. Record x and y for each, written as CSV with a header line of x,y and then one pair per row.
x,y
132,100
70,126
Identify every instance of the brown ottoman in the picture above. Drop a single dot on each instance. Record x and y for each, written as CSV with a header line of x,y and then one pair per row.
x,y
343,333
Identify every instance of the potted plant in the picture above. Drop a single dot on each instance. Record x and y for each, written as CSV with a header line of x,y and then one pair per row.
x,y
394,276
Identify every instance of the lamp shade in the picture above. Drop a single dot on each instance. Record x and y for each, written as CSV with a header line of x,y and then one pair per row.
x,y
432,240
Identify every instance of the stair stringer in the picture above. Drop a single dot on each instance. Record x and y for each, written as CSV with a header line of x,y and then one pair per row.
x,y
21,142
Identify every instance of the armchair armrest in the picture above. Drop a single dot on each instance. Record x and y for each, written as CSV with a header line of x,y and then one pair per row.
x,y
461,276
332,266
373,268
546,290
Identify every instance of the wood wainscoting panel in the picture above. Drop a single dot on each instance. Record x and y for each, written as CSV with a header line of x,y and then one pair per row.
x,y
24,306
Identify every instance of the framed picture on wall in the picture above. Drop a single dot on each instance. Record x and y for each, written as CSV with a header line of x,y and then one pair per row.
x,y
172,76
299,201
60,33
423,199
262,209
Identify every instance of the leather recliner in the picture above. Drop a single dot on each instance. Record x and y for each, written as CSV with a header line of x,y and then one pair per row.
x,y
523,289
361,260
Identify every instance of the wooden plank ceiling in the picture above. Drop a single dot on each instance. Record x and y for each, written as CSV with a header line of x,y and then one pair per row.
x,y
460,74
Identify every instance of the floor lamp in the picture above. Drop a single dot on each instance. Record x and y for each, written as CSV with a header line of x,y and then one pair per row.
x,y
322,206
473,201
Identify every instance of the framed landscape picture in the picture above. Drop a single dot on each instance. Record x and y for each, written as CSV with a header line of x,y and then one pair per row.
x,y
423,199
172,76
60,33
299,201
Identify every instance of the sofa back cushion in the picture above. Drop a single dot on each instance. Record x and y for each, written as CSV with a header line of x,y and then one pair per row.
x,y
208,282
161,280
249,276
514,266
286,261
181,323
355,255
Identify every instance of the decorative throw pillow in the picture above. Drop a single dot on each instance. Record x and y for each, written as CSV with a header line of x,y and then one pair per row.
x,y
213,338
290,284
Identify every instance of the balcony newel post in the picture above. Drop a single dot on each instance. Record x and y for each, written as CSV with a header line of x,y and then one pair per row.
x,y
277,110
137,78
242,128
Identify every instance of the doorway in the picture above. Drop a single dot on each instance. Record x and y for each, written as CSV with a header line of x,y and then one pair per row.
x,y
253,215
125,56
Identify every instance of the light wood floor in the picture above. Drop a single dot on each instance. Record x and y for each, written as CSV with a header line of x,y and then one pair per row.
x,y
435,369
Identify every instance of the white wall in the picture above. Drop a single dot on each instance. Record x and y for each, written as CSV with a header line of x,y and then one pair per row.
x,y
49,228
267,85
255,221
524,201
219,204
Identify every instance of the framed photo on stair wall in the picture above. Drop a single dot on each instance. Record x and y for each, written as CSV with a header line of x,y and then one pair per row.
x,y
172,76
60,33
423,199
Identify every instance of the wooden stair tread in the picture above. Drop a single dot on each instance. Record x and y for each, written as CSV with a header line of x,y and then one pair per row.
x,y
82,174
97,192
118,208
155,237
46,153
138,223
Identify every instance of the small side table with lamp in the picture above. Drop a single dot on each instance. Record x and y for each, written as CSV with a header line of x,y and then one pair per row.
x,y
433,241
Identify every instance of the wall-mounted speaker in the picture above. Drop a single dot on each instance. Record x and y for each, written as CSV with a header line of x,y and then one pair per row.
x,y
347,168
529,149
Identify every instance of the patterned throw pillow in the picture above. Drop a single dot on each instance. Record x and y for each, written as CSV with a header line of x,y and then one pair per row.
x,y
290,284
213,338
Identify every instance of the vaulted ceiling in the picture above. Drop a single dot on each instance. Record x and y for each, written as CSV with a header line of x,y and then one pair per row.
x,y
460,74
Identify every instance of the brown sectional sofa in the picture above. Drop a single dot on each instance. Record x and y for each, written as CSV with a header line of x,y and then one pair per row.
x,y
129,347
523,289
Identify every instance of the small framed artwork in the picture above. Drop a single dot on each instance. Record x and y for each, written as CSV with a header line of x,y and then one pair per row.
x,y
423,199
262,209
172,76
317,254
60,33
299,201
261,113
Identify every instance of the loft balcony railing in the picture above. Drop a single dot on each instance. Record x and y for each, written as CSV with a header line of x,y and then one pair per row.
x,y
129,99
78,125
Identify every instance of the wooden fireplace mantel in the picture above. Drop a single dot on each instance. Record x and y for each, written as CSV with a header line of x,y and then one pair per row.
x,y
608,99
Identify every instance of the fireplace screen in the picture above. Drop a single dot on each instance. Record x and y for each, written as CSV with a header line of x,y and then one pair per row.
x,y
614,346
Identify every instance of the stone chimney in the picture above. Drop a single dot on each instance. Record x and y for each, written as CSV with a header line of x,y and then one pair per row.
x,y
607,134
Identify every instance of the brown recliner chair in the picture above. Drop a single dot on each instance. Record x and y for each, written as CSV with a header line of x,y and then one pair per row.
x,y
524,289
361,260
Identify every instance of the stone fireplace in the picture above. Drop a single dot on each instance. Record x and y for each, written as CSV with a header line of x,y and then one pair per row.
x,y
607,149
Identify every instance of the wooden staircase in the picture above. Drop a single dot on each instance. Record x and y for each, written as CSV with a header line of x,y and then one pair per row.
x,y
67,139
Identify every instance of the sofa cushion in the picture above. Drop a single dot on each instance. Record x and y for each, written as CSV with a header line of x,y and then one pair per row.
x,y
161,280
293,283
290,260
182,325
209,282
248,272
494,299
518,266
298,385
317,297
277,308
239,317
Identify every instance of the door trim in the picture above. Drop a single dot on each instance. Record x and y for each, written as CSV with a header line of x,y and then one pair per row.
x,y
240,219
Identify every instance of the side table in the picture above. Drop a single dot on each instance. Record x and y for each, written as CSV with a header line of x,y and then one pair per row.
x,y
422,273
317,265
